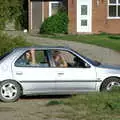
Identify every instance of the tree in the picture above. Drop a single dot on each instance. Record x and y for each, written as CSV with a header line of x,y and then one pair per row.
x,y
11,10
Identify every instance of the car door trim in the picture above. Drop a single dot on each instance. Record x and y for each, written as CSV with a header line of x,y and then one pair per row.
x,y
61,81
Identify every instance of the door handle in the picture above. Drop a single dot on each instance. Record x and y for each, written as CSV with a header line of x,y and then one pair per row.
x,y
19,73
60,73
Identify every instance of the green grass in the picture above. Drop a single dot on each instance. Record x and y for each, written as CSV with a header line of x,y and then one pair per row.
x,y
91,106
54,102
103,40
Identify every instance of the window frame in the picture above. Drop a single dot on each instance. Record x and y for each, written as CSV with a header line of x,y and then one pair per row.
x,y
53,62
32,66
50,6
113,4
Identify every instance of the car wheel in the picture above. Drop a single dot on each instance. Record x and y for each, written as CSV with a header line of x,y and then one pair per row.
x,y
10,91
109,83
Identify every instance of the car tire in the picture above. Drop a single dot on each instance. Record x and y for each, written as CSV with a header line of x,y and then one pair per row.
x,y
10,91
109,83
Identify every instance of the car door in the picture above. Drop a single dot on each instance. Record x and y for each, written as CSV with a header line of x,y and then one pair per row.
x,y
38,78
74,78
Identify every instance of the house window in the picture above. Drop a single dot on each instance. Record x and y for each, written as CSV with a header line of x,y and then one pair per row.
x,y
113,9
53,7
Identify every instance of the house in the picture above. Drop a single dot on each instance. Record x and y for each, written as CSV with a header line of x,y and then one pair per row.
x,y
85,16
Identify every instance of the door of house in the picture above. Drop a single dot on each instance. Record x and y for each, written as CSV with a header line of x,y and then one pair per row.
x,y
84,15
36,14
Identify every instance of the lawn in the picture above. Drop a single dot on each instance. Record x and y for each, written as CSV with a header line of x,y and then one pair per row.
x,y
103,40
92,106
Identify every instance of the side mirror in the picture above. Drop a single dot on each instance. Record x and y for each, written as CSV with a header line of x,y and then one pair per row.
x,y
87,65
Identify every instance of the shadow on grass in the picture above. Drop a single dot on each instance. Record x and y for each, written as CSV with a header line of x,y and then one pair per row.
x,y
114,37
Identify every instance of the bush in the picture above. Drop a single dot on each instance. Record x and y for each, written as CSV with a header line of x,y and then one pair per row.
x,y
54,102
55,24
7,43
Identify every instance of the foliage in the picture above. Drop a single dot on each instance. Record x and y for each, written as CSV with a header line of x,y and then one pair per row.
x,y
54,102
7,43
57,23
21,21
97,102
95,105
11,10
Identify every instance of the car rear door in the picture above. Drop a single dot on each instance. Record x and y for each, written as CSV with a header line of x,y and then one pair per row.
x,y
39,78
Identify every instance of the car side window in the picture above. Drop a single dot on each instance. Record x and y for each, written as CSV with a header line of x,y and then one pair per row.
x,y
66,59
33,58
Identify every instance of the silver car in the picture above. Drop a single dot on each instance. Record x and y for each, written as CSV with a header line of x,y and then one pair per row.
x,y
37,70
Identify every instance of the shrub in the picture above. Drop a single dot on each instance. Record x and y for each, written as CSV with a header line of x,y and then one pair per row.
x,y
7,43
55,24
54,102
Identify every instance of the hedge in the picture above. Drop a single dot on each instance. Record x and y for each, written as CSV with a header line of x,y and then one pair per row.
x,y
55,24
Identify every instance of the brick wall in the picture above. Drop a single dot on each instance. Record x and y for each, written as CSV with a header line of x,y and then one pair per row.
x,y
100,22
46,9
72,16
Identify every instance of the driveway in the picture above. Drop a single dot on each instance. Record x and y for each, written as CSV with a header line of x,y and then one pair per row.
x,y
32,109
101,54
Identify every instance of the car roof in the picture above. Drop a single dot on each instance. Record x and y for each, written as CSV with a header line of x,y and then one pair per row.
x,y
42,47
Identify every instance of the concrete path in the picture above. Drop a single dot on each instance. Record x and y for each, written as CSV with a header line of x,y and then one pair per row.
x,y
104,55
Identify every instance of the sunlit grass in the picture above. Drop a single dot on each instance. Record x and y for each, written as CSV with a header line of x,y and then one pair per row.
x,y
91,106
103,40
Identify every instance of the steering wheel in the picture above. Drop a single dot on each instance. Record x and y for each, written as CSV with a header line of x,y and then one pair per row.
x,y
78,62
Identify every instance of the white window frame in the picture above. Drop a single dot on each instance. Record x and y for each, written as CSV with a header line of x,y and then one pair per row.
x,y
114,4
50,6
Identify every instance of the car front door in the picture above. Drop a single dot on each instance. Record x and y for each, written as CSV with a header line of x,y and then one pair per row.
x,y
35,78
75,77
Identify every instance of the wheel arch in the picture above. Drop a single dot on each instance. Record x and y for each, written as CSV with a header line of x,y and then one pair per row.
x,y
111,77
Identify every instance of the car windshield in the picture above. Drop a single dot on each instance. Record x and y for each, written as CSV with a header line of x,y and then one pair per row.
x,y
93,62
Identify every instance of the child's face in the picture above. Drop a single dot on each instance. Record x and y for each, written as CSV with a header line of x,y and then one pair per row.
x,y
28,55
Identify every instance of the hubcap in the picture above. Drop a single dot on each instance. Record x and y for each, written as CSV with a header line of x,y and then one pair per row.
x,y
112,84
8,91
